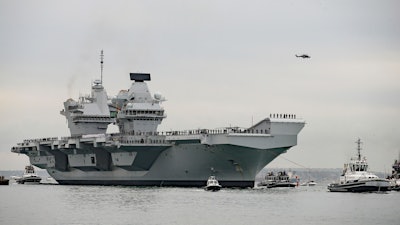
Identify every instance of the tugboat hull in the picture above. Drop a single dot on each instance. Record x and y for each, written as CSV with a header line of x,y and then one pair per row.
x,y
213,188
29,180
280,185
361,186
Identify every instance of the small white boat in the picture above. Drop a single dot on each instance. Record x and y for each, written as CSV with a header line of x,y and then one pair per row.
x,y
29,177
356,178
212,184
309,183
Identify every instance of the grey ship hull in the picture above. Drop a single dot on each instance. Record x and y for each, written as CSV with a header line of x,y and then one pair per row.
x,y
184,165
186,159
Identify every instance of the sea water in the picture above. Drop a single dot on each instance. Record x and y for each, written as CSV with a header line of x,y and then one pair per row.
x,y
59,204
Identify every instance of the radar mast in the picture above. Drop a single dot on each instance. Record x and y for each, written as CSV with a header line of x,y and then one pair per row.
x,y
101,66
359,148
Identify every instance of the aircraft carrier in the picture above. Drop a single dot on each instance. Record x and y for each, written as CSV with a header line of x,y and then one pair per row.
x,y
140,155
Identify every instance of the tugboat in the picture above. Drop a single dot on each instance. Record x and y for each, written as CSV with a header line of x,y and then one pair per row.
x,y
29,177
4,181
281,179
356,178
212,184
395,177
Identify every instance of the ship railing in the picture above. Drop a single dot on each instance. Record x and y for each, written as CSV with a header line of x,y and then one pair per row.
x,y
128,138
93,118
143,141
136,133
146,135
131,112
227,130
27,141
145,117
282,116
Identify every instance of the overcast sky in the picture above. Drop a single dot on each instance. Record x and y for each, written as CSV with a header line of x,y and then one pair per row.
x,y
219,63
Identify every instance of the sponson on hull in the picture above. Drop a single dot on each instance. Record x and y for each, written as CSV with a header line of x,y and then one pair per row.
x,y
141,155
356,178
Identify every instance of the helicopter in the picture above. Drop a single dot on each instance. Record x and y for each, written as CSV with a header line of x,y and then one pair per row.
x,y
304,56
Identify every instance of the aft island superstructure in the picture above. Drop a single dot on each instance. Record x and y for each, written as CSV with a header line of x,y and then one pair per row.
x,y
141,155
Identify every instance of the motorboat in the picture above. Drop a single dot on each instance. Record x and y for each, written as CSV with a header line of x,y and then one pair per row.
x,y
29,176
357,178
212,184
280,179
309,183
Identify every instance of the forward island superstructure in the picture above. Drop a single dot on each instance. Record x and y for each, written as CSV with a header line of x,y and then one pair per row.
x,y
91,114
140,155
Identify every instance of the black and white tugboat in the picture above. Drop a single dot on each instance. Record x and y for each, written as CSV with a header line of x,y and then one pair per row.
x,y
29,177
212,184
281,179
356,178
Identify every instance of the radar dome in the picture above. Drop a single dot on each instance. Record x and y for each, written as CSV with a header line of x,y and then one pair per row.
x,y
158,96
